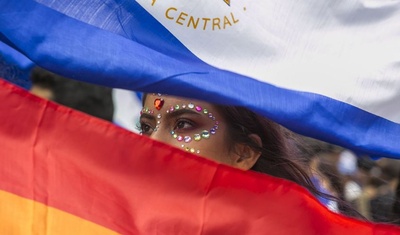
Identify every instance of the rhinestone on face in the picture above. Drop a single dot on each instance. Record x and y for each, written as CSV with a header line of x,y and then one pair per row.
x,y
198,151
205,134
212,131
192,150
158,103
197,137
159,115
187,139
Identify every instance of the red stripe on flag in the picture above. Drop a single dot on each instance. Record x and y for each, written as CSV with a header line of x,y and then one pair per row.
x,y
133,185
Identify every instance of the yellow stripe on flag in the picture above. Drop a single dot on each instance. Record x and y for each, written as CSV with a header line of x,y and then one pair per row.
x,y
19,215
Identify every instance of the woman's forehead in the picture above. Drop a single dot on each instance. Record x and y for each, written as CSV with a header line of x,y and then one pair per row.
x,y
169,99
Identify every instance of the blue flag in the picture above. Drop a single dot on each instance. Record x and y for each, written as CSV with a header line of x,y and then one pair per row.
x,y
328,70
14,66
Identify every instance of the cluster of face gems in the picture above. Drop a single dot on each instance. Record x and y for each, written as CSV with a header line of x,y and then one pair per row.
x,y
149,111
205,134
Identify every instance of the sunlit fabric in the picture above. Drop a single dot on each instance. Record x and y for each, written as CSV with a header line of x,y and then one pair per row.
x,y
64,172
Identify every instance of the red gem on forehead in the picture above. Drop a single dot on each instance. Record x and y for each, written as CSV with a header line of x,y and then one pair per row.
x,y
158,103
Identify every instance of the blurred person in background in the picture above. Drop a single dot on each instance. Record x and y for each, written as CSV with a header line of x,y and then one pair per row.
x,y
396,205
386,180
313,151
372,188
347,167
366,178
92,99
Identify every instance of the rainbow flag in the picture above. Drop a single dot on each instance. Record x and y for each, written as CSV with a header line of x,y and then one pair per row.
x,y
64,172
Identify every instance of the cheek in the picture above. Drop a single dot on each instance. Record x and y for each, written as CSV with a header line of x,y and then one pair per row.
x,y
203,145
214,148
194,142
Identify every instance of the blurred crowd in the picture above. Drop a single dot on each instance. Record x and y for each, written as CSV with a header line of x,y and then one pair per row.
x,y
369,185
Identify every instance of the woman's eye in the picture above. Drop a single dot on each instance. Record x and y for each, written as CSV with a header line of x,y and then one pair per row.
x,y
183,125
146,128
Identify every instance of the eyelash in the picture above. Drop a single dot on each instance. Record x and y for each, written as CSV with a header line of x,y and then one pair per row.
x,y
141,125
185,121
138,126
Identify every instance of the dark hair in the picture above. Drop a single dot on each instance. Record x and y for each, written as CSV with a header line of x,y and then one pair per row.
x,y
280,155
89,98
276,150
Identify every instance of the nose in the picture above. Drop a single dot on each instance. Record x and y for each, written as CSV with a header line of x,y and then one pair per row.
x,y
159,135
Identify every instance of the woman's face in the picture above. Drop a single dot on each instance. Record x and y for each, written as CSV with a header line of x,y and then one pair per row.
x,y
191,125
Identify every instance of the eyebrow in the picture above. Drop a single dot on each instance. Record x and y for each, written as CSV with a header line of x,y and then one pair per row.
x,y
179,112
147,116
173,114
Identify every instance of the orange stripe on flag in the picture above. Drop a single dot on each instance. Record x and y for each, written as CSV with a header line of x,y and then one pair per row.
x,y
19,216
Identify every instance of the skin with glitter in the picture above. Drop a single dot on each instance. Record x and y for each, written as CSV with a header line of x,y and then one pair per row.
x,y
193,125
